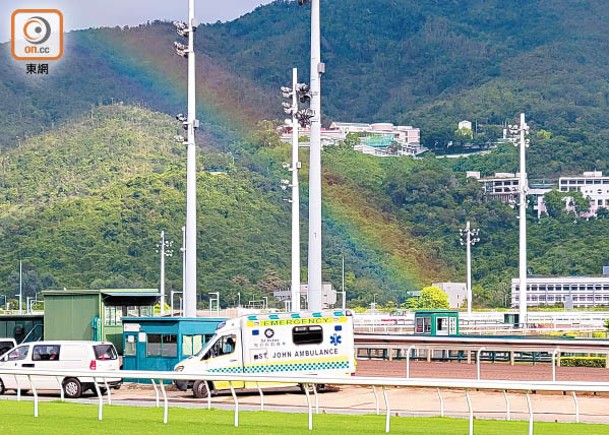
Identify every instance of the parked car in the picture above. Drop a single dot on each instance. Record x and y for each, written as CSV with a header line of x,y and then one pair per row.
x,y
6,344
60,355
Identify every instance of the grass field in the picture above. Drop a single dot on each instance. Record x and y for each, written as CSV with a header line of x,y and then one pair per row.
x,y
68,418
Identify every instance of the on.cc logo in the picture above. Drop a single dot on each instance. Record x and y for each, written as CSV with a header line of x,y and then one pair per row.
x,y
37,34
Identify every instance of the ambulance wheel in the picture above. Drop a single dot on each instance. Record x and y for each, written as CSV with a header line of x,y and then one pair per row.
x,y
72,388
2,389
311,387
201,390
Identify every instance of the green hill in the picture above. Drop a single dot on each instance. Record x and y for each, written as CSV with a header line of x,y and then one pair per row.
x,y
91,173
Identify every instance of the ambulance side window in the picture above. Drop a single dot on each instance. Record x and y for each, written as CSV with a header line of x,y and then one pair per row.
x,y
312,334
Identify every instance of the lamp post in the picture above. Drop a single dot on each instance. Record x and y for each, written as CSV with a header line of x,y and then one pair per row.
x,y
298,92
164,248
217,300
469,237
522,130
20,286
190,123
183,251
343,292
314,257
30,300
174,292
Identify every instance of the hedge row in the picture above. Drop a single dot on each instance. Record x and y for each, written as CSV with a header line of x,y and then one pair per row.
x,y
583,361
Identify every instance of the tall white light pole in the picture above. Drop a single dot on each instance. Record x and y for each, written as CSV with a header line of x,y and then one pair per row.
x,y
298,92
522,131
469,237
295,165
522,261
317,68
190,123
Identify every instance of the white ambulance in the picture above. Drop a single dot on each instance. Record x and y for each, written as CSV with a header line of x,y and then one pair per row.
x,y
301,343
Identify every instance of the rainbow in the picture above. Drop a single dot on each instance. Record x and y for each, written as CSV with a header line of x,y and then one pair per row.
x,y
145,56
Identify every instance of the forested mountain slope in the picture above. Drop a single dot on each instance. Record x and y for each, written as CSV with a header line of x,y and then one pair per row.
x,y
90,173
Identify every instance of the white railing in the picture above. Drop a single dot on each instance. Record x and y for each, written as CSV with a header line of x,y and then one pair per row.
x,y
538,322
373,382
388,343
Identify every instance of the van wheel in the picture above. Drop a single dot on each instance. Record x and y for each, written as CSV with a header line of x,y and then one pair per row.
x,y
2,389
202,389
72,388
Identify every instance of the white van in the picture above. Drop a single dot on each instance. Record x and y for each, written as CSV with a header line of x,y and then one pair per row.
x,y
289,343
59,355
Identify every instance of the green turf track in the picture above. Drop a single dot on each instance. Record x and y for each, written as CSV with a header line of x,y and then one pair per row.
x,y
69,418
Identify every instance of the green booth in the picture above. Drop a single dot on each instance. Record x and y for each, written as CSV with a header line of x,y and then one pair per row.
x,y
436,322
159,343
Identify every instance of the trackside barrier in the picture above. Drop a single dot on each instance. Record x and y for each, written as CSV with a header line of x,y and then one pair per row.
x,y
383,346
313,381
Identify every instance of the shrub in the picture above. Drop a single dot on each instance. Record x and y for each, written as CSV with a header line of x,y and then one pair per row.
x,y
583,361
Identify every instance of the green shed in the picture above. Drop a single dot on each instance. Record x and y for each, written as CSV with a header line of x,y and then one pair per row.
x,y
94,314
436,322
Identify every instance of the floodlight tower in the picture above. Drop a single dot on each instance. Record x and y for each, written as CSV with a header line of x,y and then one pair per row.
x,y
317,69
190,123
299,92
522,130
469,237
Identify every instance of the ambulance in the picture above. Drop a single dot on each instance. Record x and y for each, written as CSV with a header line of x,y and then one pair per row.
x,y
318,343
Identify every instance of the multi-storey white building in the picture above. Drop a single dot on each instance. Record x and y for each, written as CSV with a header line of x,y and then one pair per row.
x,y
592,185
456,292
578,291
383,139
504,186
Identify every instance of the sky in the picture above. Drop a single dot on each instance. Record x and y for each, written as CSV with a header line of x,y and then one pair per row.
x,y
81,14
